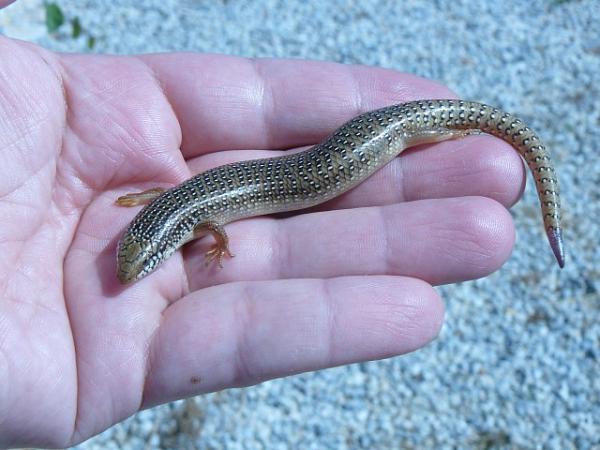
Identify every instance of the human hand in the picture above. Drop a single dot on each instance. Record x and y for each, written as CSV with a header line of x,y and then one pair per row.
x,y
340,284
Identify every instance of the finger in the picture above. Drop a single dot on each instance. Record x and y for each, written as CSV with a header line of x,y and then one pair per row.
x,y
439,241
224,102
474,166
244,333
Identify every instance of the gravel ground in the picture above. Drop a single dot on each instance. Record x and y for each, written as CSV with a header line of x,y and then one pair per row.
x,y
516,365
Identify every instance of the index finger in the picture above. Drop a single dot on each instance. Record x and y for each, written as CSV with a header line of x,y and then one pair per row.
x,y
224,102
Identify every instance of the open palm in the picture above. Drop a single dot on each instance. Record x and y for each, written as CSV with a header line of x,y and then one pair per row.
x,y
79,352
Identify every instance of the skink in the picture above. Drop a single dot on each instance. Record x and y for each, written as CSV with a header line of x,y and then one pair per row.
x,y
205,203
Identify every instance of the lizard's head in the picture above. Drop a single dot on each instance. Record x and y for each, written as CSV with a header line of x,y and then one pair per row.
x,y
136,258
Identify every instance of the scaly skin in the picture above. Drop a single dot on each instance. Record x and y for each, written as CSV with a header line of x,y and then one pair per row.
x,y
301,180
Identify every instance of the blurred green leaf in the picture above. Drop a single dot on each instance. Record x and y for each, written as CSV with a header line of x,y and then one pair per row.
x,y
76,28
54,17
91,41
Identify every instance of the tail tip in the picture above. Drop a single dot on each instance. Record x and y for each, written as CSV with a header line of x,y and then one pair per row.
x,y
556,243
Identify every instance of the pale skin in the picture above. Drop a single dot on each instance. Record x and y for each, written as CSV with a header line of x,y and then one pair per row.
x,y
351,281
